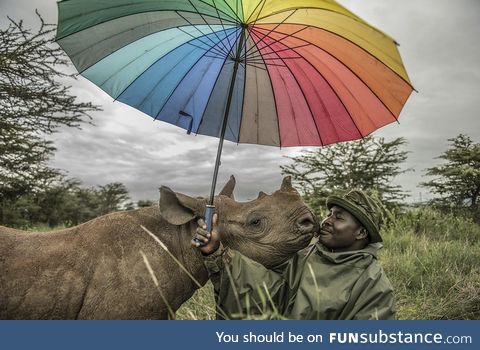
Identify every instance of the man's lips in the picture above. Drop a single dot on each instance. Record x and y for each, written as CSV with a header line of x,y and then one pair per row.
x,y
325,232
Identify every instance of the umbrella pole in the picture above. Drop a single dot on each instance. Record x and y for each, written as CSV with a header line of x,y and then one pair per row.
x,y
237,59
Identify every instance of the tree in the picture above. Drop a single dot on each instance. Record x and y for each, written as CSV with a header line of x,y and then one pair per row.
x,y
370,164
457,181
34,102
146,203
112,196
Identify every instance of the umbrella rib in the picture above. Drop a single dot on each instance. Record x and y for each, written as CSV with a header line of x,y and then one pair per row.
x,y
274,98
247,34
305,97
268,64
275,105
166,101
235,20
333,56
129,4
273,59
344,38
144,72
243,9
195,26
251,58
255,66
191,3
257,49
279,24
228,124
121,33
349,114
210,96
263,2
210,49
133,60
215,5
354,18
217,51
127,15
210,56
243,100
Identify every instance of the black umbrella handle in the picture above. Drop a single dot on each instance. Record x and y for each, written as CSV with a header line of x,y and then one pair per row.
x,y
209,217
209,221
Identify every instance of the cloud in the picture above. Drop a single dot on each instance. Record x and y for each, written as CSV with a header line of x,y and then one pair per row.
x,y
438,47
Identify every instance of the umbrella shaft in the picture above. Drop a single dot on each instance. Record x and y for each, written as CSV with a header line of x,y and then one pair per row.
x,y
237,60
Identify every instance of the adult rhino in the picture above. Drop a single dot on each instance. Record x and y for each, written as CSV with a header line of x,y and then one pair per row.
x,y
103,269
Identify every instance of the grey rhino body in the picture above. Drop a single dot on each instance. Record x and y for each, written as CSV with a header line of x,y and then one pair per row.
x,y
100,269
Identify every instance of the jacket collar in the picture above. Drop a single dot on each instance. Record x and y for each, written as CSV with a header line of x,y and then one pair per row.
x,y
342,257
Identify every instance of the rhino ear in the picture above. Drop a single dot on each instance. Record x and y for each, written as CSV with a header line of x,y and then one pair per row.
x,y
177,208
229,187
261,195
287,185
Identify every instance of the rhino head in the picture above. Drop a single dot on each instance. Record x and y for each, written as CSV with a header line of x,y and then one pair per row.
x,y
269,229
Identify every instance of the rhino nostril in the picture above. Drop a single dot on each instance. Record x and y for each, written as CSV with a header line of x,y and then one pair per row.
x,y
306,223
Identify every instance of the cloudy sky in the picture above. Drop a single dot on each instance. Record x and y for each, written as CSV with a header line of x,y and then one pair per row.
x,y
437,39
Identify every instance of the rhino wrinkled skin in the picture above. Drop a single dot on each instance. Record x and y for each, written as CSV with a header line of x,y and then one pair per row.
x,y
97,270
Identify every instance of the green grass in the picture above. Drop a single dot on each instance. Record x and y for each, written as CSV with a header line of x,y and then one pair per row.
x,y
201,306
432,260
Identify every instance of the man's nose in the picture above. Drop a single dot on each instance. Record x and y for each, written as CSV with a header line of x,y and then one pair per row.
x,y
326,222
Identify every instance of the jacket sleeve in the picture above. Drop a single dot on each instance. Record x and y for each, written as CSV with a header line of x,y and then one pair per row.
x,y
243,288
372,297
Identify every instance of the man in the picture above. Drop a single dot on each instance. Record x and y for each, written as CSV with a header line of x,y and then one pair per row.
x,y
338,277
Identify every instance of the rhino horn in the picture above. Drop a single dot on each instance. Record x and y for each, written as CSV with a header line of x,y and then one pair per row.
x,y
177,208
229,187
287,184
261,195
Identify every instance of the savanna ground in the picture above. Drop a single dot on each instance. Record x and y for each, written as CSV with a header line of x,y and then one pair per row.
x,y
431,258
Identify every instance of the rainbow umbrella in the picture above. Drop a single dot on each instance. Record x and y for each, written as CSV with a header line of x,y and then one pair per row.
x,y
270,72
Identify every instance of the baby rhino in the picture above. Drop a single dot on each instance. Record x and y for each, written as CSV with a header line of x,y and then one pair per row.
x,y
117,266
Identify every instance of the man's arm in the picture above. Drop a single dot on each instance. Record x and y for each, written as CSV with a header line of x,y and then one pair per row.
x,y
243,287
372,297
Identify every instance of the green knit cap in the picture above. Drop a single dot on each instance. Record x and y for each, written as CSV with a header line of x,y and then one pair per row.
x,y
366,209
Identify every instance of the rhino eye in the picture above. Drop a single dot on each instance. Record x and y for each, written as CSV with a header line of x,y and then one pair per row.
x,y
255,222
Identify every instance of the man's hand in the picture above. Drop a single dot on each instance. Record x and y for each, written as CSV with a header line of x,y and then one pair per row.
x,y
212,239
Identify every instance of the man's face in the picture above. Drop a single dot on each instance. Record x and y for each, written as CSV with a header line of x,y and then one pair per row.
x,y
341,231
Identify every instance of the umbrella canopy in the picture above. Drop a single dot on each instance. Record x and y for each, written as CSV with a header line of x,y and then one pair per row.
x,y
283,73
271,72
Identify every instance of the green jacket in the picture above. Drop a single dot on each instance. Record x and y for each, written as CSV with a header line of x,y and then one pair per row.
x,y
314,284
